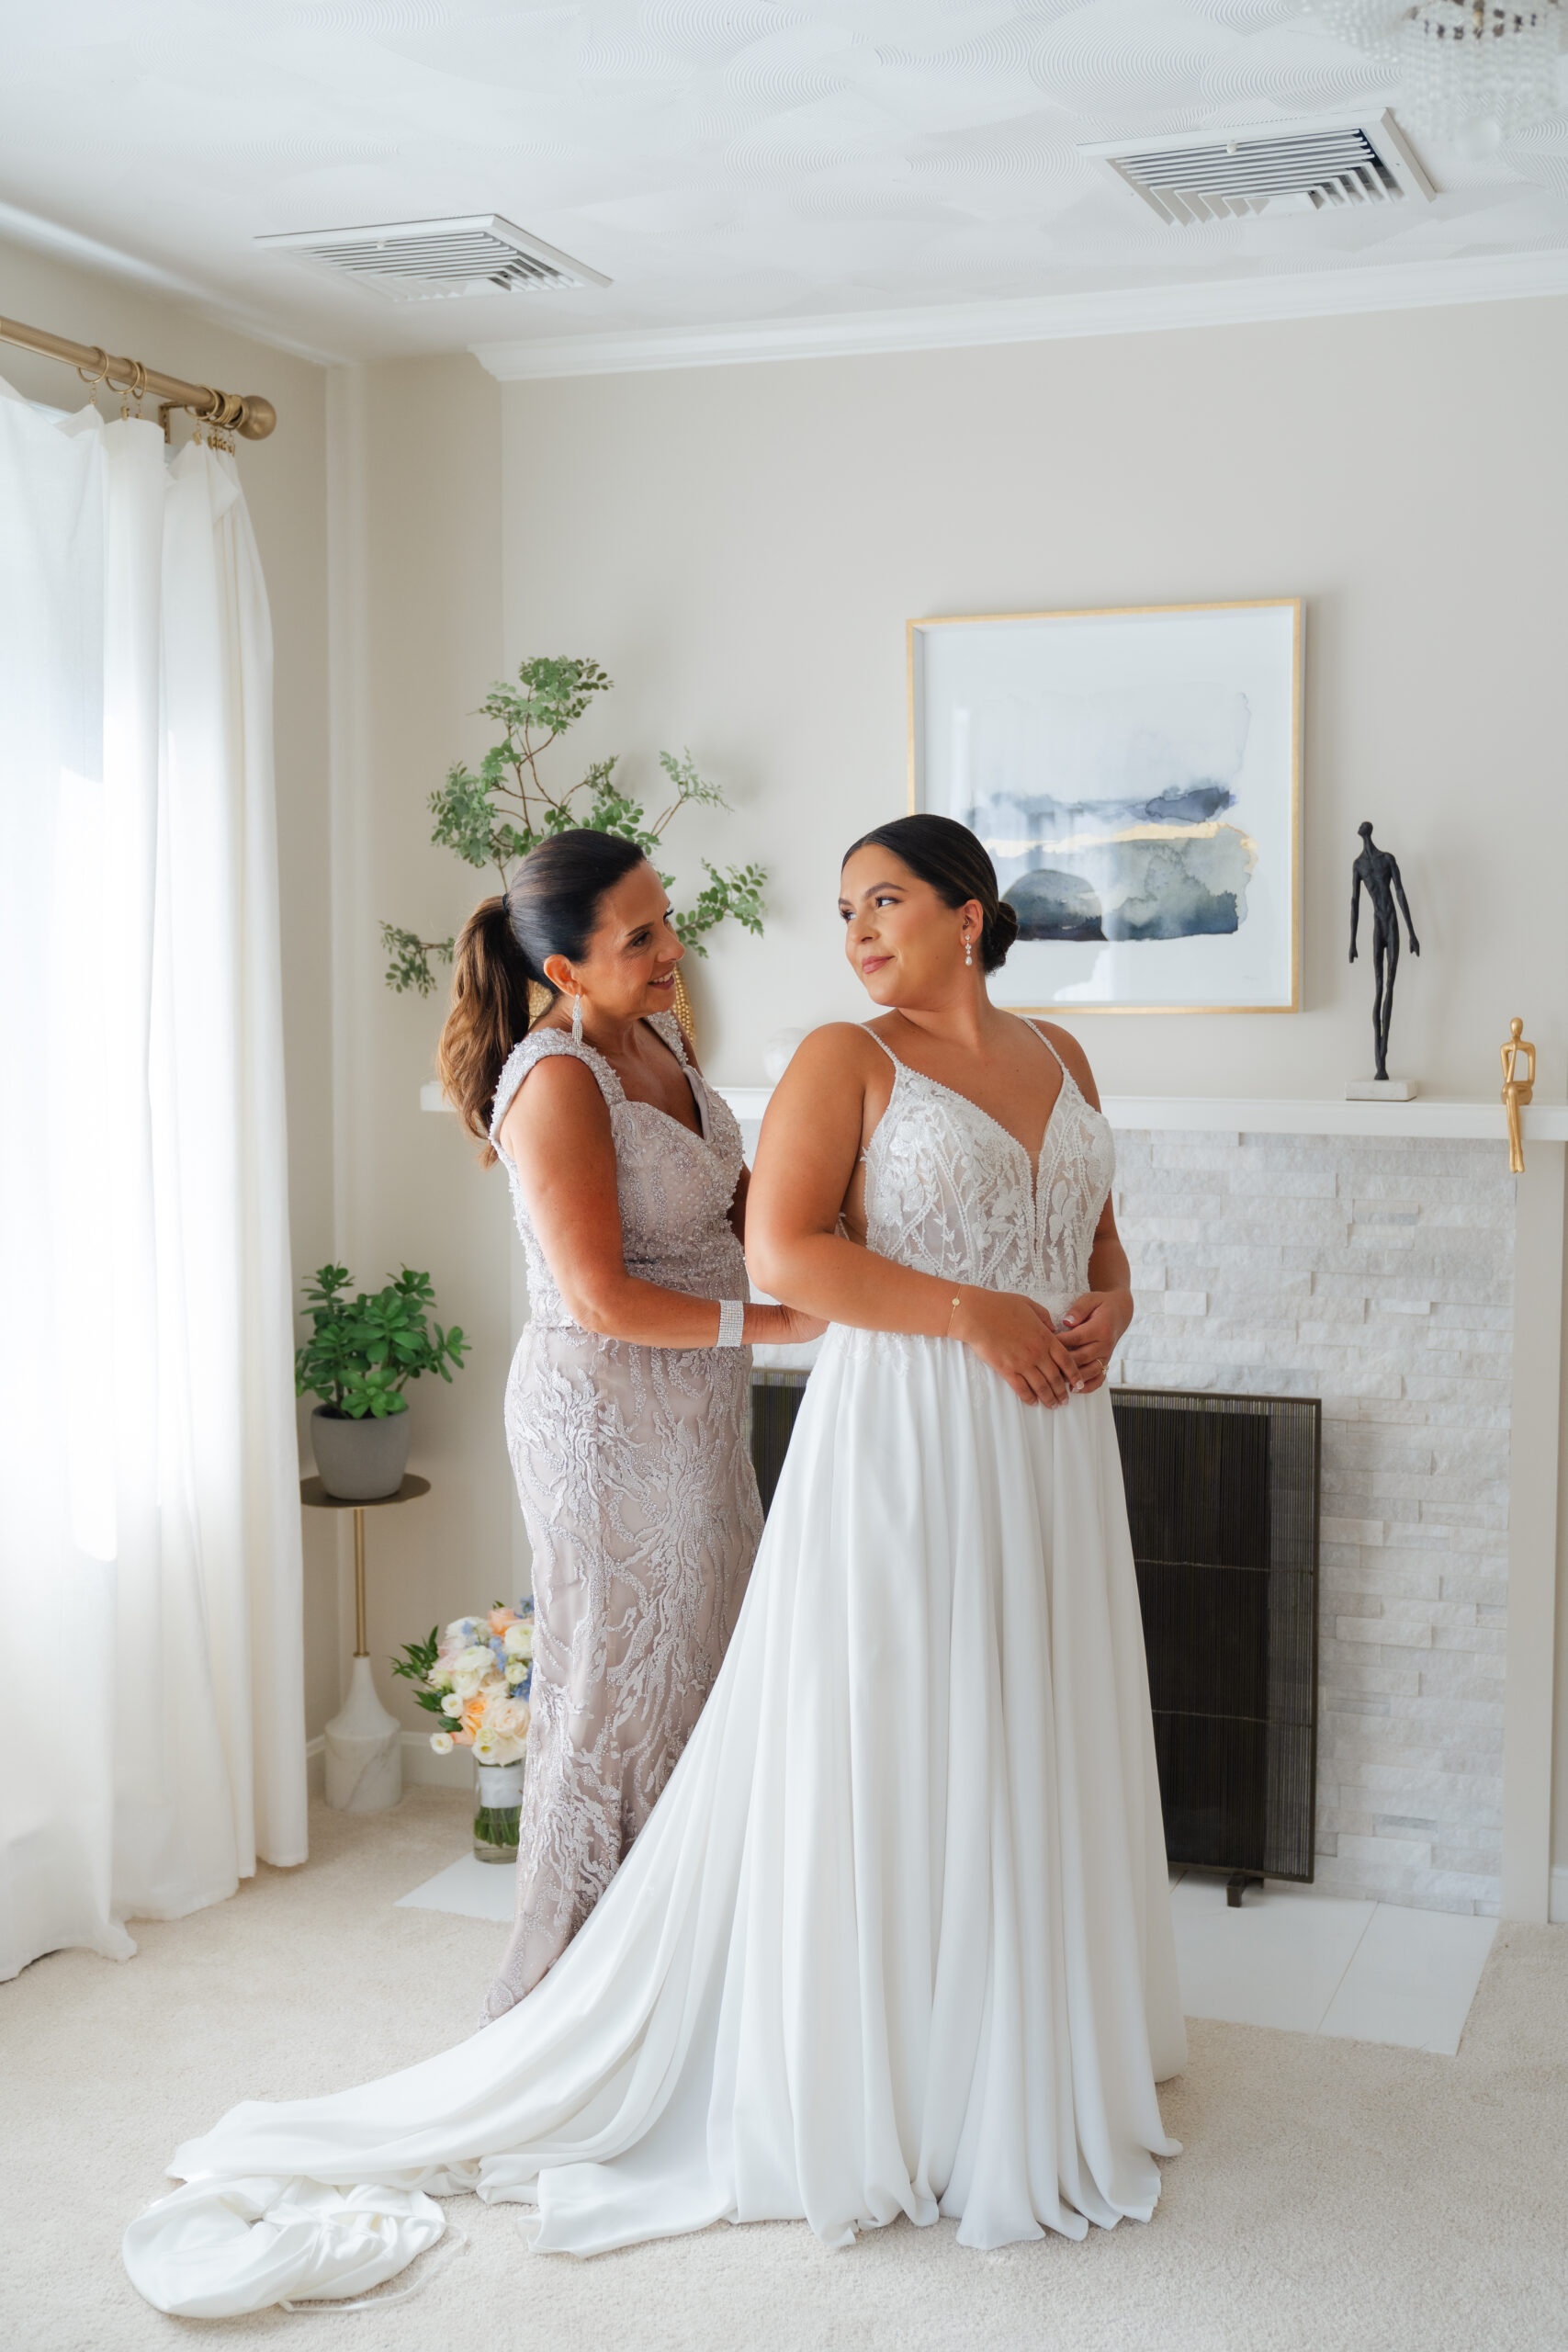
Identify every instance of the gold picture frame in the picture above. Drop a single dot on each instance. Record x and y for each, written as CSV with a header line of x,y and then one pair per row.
x,y
916,632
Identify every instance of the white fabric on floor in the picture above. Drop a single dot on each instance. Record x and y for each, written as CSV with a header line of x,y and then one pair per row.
x,y
897,1938
153,1740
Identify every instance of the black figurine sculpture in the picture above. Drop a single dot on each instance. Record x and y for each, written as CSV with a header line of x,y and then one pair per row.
x,y
1377,872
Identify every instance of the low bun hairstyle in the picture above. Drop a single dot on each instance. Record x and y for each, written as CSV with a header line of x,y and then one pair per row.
x,y
957,865
550,908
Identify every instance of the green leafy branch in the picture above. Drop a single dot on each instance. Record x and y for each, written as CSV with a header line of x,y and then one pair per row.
x,y
416,1665
494,814
409,965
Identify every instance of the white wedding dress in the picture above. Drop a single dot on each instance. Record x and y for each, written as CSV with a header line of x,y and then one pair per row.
x,y
896,1937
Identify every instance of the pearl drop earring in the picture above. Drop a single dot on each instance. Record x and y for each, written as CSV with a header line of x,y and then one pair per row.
x,y
968,951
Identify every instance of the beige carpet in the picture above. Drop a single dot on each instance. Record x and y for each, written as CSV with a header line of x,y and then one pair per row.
x,y
1332,2194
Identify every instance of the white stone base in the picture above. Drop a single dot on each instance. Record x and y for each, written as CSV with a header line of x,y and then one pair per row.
x,y
363,1749
1382,1089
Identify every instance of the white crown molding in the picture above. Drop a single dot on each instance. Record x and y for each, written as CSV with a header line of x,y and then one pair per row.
x,y
1134,310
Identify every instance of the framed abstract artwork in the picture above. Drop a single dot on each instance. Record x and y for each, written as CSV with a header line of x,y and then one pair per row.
x,y
1135,776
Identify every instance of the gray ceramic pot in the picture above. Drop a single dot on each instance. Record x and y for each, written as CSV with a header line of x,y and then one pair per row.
x,y
360,1461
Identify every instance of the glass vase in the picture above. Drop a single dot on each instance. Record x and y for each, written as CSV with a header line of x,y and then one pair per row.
x,y
498,1802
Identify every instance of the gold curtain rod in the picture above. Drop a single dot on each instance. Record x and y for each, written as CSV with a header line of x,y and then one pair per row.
x,y
246,414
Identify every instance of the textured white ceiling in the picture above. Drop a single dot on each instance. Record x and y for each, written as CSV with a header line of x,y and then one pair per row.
x,y
722,161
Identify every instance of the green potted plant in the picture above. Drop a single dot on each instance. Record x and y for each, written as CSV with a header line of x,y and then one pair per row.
x,y
361,1354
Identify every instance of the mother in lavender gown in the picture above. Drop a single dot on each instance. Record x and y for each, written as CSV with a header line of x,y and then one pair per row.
x,y
627,1405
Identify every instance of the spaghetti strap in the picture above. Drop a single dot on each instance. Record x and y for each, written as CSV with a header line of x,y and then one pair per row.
x,y
1036,1030
868,1031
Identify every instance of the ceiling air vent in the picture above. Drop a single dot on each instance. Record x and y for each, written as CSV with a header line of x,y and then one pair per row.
x,y
431,261
1285,167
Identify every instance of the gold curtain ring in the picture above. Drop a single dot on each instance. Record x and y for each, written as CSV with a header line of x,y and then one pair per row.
x,y
103,359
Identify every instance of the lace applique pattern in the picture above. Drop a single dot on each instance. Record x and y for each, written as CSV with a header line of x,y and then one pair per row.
x,y
634,1472
949,1191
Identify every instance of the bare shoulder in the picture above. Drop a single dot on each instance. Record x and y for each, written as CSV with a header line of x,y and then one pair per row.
x,y
1073,1057
557,1091
839,1049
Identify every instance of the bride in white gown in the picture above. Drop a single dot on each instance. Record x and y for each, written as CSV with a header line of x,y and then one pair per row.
x,y
896,1937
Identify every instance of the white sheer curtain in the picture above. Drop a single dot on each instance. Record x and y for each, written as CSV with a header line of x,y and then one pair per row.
x,y
151,1731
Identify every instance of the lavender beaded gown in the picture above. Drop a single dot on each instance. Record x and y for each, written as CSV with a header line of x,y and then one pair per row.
x,y
640,1502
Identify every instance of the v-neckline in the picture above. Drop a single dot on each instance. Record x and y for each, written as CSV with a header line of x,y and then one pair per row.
x,y
1033,1162
699,1133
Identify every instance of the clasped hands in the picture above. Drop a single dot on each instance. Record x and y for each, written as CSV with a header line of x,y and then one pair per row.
x,y
1043,1362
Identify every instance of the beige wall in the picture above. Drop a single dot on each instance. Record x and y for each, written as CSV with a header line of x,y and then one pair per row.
x,y
741,547
284,479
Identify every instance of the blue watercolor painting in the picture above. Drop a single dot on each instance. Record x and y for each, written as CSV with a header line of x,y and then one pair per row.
x,y
1133,842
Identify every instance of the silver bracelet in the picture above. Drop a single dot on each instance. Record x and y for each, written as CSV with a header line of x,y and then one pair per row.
x,y
732,1322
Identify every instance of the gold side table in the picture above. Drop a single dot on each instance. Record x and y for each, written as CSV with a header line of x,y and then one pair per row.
x,y
365,1764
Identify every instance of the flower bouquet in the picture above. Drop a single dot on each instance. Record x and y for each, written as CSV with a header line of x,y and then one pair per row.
x,y
477,1676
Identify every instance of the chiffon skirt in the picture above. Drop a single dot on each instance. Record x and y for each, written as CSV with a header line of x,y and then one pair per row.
x,y
896,1937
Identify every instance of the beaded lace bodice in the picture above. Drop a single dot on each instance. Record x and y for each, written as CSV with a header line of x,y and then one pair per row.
x,y
951,1192
674,1187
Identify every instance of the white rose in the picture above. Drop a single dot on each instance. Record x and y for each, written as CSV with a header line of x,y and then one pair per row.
x,y
442,1742
450,1705
470,1669
517,1672
491,1749
519,1639
460,1633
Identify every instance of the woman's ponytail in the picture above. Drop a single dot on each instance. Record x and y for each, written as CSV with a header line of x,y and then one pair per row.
x,y
490,1015
550,908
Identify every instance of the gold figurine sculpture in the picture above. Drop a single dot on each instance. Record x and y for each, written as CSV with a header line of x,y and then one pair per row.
x,y
1517,1091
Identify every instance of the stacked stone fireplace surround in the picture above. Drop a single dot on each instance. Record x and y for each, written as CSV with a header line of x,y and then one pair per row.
x,y
1379,1277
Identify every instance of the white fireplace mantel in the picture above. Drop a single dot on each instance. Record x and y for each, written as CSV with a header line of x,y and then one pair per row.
x,y
1429,1117
1271,1114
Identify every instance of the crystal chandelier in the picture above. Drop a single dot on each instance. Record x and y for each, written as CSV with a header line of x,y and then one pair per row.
x,y
1467,62
1369,24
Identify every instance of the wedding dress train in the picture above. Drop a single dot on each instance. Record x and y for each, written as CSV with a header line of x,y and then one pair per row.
x,y
896,1937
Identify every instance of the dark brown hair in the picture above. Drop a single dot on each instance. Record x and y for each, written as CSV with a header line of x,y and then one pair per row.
x,y
957,865
550,908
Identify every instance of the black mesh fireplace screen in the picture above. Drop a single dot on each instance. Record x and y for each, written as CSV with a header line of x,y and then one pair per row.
x,y
1222,1504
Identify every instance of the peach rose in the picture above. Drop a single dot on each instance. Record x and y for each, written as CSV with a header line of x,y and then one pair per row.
x,y
500,1617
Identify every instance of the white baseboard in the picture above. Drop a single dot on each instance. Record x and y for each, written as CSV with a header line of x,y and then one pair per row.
x,y
424,1769
421,1767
